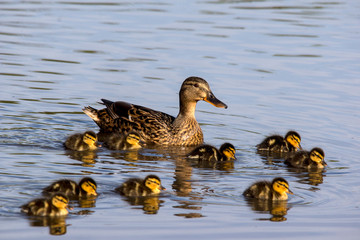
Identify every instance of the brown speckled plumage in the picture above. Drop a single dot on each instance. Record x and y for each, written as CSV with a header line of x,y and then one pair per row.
x,y
156,127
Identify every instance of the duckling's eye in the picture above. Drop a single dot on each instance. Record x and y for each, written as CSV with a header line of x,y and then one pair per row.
x,y
196,85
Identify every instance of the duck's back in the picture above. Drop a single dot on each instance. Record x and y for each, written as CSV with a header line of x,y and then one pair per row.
x,y
205,153
75,142
37,207
259,190
300,159
65,186
133,187
275,143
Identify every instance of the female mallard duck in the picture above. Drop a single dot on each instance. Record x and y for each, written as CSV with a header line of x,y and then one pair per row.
x,y
55,206
82,142
86,187
117,141
277,143
133,187
157,127
210,153
275,190
305,159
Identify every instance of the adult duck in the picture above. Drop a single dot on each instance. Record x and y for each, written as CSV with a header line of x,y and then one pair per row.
x,y
156,127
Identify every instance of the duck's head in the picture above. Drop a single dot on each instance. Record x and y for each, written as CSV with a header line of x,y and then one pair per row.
x,y
90,138
88,185
281,186
60,201
133,139
153,182
228,150
317,155
294,139
195,89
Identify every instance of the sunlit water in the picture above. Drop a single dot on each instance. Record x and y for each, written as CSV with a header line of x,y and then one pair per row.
x,y
279,65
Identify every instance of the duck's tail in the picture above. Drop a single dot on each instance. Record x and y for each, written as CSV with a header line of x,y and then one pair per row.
x,y
92,113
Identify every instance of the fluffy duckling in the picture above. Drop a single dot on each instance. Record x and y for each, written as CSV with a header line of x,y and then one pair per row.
x,y
133,187
275,190
277,143
117,141
55,206
305,159
82,141
86,187
210,153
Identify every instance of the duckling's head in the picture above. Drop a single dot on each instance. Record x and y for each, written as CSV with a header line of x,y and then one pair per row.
x,y
60,201
153,182
133,139
90,138
228,150
195,89
294,139
281,186
88,185
317,155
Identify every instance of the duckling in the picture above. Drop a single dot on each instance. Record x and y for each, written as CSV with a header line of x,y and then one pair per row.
x,y
275,190
133,187
82,142
277,143
157,127
210,153
305,159
118,141
86,187
55,206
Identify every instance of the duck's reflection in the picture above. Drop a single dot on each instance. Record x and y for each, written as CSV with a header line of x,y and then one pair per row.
x,y
271,158
57,225
86,157
149,204
277,209
313,177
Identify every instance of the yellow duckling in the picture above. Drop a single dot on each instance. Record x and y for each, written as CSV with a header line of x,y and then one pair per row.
x,y
133,187
275,190
55,206
82,142
305,159
86,187
277,143
210,153
118,141
157,127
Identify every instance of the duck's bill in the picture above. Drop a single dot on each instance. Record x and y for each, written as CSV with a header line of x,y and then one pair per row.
x,y
290,192
214,101
162,188
300,147
324,163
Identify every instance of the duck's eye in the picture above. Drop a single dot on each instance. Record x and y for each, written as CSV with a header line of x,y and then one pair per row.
x,y
196,85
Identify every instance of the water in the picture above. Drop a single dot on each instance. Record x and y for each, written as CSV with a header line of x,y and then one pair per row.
x,y
279,65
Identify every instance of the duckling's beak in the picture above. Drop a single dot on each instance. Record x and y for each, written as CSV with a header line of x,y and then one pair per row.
x,y
210,98
300,147
69,208
289,191
162,188
98,144
324,163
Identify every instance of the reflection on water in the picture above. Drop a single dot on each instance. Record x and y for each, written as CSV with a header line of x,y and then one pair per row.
x,y
277,209
57,225
86,157
149,204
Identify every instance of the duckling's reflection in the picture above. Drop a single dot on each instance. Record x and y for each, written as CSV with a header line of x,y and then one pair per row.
x,y
218,165
278,209
57,225
150,204
271,158
313,177
86,157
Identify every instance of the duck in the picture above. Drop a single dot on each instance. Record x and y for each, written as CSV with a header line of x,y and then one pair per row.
x,y
277,143
86,187
82,141
155,127
313,159
54,206
210,153
130,141
134,187
266,190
